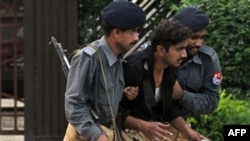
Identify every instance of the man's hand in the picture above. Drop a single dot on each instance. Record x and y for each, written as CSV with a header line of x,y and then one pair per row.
x,y
156,131
102,137
131,92
177,91
193,135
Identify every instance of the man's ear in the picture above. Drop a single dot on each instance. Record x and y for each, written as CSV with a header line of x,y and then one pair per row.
x,y
160,50
116,31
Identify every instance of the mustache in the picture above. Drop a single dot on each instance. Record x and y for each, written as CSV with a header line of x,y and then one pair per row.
x,y
181,59
189,47
133,43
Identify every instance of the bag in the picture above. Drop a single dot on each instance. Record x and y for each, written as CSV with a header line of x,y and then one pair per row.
x,y
130,135
72,135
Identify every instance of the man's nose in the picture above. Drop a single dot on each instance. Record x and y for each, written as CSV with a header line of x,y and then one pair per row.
x,y
184,54
136,36
199,42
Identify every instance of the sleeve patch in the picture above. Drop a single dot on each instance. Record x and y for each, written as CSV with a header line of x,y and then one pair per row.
x,y
217,78
89,50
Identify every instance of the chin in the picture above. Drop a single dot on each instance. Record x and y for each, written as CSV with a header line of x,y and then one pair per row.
x,y
194,51
177,65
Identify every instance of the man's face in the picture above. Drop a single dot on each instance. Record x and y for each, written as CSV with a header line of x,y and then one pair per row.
x,y
176,53
126,39
195,42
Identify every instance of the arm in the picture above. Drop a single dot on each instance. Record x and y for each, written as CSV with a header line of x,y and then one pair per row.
x,y
181,125
131,92
77,91
206,101
150,129
200,95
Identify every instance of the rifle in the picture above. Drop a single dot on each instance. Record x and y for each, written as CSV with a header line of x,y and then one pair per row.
x,y
61,53
65,67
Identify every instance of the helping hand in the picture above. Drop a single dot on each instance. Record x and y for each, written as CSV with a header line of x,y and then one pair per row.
x,y
131,92
177,91
156,131
193,135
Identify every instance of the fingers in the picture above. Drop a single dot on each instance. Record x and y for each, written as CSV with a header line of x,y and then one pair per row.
x,y
131,92
159,132
164,128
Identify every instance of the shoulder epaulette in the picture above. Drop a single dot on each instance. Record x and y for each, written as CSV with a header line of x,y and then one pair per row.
x,y
90,49
208,51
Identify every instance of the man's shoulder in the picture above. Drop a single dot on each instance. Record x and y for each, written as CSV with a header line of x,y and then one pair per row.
x,y
135,57
208,51
91,49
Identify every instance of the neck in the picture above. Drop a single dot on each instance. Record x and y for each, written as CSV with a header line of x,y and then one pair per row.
x,y
158,76
111,43
158,64
159,68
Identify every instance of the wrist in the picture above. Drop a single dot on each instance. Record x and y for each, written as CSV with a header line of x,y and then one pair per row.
x,y
101,136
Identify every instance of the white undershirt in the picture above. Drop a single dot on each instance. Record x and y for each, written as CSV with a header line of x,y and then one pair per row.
x,y
157,95
157,90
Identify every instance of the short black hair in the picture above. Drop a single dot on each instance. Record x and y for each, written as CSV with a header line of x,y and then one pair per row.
x,y
169,32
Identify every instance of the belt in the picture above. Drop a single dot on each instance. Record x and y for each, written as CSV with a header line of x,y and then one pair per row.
x,y
106,121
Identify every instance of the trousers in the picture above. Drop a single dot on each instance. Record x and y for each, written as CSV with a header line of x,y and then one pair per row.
x,y
72,135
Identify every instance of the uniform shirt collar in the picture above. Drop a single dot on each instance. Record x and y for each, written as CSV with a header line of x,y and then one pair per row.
x,y
196,59
111,57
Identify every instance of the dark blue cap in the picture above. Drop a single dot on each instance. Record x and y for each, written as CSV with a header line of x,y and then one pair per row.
x,y
123,15
193,18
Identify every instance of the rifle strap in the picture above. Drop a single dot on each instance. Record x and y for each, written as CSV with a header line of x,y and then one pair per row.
x,y
107,93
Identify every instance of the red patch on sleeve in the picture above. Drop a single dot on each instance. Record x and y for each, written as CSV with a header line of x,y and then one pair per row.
x,y
217,78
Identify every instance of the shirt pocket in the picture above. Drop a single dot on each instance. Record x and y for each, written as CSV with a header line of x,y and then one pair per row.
x,y
102,96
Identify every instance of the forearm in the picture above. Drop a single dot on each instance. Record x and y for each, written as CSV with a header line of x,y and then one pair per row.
x,y
200,103
180,124
134,123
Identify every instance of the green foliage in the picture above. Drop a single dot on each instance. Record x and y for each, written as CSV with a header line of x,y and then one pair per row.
x,y
230,111
89,19
228,33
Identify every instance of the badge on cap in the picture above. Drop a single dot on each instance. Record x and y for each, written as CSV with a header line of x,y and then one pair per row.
x,y
217,78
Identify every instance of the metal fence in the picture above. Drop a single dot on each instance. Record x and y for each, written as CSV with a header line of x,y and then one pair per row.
x,y
11,70
12,61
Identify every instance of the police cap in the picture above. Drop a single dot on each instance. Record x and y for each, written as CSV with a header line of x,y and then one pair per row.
x,y
193,18
123,15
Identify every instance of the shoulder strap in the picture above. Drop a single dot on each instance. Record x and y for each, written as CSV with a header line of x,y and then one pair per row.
x,y
107,93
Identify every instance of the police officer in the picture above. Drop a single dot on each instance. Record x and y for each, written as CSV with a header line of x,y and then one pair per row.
x,y
199,79
95,81
200,73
